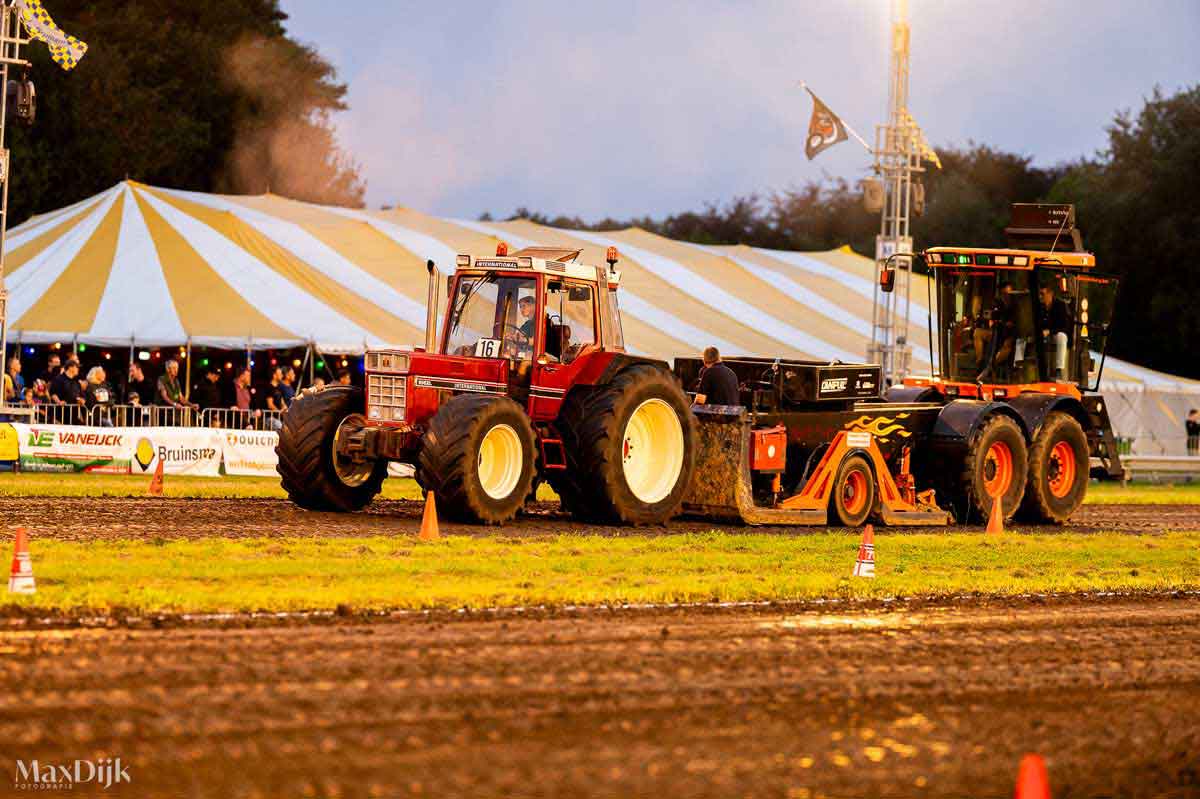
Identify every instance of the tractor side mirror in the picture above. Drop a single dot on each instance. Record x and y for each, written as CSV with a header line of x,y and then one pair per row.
x,y
887,279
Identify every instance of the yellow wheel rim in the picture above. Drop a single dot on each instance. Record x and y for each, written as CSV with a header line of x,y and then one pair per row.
x,y
500,461
652,451
350,473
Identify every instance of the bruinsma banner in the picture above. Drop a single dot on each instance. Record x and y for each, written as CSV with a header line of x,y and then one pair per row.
x,y
138,450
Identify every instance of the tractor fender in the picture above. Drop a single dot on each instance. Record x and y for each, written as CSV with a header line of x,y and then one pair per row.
x,y
603,367
1034,408
959,420
910,394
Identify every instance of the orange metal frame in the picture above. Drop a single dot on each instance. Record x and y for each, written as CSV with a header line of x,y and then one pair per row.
x,y
892,506
990,391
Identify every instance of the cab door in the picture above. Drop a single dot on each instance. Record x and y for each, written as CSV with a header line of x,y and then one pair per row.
x,y
570,331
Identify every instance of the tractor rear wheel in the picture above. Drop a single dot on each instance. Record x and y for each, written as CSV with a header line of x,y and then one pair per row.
x,y
1058,471
478,458
853,495
995,465
313,474
631,449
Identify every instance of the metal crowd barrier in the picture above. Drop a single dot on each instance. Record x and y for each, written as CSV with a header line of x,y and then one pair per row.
x,y
234,419
155,416
1161,466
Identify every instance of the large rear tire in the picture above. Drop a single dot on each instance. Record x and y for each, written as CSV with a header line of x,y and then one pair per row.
x,y
478,458
996,463
1058,471
310,470
631,449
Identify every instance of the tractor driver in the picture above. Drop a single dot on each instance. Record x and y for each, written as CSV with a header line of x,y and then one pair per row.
x,y
999,336
1054,319
528,309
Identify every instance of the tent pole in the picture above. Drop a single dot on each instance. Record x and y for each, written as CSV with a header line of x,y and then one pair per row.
x,y
303,364
75,346
187,373
312,364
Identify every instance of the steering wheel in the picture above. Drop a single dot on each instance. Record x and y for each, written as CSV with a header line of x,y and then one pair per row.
x,y
517,339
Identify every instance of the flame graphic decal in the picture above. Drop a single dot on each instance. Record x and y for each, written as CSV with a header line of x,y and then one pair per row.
x,y
879,426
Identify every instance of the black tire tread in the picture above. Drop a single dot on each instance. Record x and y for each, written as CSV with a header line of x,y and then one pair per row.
x,y
1036,506
589,486
966,497
446,457
305,442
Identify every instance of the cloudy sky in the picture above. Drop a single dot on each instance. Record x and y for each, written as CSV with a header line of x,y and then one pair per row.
x,y
628,107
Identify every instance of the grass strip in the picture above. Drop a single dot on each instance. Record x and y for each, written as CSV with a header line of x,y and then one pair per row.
x,y
215,574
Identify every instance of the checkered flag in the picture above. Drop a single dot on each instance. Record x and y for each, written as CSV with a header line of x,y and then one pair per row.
x,y
67,51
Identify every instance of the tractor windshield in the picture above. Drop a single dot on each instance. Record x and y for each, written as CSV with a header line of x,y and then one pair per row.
x,y
987,325
493,317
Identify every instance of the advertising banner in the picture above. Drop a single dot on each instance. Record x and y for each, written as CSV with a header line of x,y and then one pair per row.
x,y
62,448
182,450
250,452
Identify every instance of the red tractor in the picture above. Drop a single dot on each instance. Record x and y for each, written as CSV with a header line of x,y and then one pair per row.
x,y
529,379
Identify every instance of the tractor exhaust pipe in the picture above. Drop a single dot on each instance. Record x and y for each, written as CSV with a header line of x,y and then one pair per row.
x,y
431,305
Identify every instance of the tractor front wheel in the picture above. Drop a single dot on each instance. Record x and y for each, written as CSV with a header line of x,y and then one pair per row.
x,y
1058,471
478,458
312,472
995,465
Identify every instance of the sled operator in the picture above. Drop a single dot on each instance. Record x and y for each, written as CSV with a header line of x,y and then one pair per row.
x,y
718,383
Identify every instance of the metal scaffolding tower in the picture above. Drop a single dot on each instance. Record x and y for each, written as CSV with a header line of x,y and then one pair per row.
x,y
11,42
900,149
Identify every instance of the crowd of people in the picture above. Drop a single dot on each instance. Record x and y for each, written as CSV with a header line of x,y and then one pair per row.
x,y
91,397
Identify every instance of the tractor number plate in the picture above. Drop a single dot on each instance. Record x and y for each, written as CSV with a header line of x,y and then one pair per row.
x,y
487,348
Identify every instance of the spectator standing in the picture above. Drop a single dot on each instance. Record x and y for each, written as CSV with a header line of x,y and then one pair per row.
x,y
99,397
274,397
243,395
168,391
53,368
14,384
207,393
1192,424
287,386
136,386
66,390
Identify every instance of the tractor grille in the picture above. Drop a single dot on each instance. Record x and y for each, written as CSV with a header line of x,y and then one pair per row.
x,y
386,397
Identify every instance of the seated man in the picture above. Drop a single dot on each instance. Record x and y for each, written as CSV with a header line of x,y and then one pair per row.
x,y
1054,320
997,336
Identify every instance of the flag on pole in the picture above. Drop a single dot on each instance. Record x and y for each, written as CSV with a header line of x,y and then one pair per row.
x,y
825,129
67,51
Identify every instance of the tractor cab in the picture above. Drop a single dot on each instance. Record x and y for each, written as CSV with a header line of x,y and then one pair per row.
x,y
536,306
1033,317
536,315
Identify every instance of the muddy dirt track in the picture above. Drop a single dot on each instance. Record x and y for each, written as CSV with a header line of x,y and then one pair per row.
x,y
923,700
80,518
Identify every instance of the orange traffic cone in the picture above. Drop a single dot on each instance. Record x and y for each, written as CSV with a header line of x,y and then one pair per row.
x,y
156,482
996,520
20,580
1032,781
429,522
865,565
